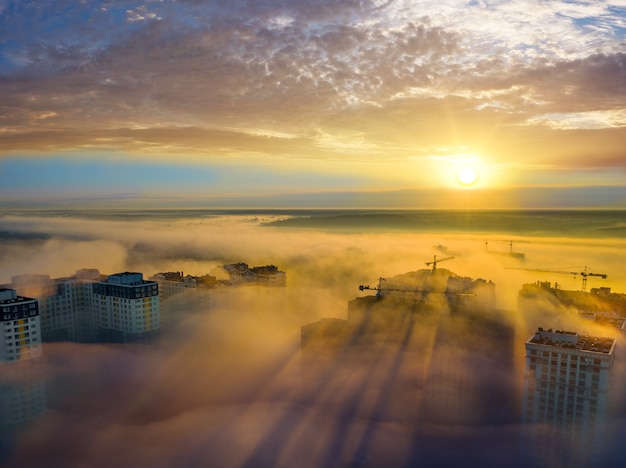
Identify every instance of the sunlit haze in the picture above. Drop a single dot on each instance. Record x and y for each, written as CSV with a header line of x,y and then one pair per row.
x,y
312,233
226,384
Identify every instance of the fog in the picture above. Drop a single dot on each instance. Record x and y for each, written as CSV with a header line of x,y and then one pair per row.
x,y
227,386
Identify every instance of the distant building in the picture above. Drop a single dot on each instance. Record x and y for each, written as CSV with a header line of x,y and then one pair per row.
x,y
20,340
567,381
88,307
21,327
179,294
173,283
126,308
415,342
607,319
615,302
268,275
64,304
439,291
598,300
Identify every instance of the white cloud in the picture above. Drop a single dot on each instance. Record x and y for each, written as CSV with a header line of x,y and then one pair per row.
x,y
141,13
593,120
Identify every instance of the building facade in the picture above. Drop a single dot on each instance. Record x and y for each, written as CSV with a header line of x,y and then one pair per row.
x,y
268,275
64,304
567,380
126,308
21,328
23,400
87,307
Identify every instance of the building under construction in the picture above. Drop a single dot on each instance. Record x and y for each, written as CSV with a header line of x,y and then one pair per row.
x,y
550,302
410,350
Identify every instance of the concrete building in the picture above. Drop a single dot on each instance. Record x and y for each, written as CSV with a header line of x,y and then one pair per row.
x,y
20,336
20,340
126,308
416,341
174,283
268,275
597,301
64,304
180,294
567,380
87,307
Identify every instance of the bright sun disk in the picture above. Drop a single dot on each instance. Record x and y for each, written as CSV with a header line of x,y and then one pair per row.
x,y
467,176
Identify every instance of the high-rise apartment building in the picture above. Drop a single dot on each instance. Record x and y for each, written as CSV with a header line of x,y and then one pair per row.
x,y
567,381
20,336
64,304
87,307
126,308
20,340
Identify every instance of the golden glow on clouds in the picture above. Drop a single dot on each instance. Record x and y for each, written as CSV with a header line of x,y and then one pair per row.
x,y
402,95
592,120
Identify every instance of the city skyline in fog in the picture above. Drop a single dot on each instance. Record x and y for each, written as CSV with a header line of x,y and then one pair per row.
x,y
224,384
283,104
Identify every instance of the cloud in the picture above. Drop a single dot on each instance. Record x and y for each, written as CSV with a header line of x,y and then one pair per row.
x,y
141,13
225,387
365,82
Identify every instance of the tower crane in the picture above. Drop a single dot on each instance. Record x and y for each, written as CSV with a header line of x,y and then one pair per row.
x,y
435,261
380,288
380,280
510,253
584,274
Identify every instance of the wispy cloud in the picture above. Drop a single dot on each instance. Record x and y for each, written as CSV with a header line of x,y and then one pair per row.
x,y
342,79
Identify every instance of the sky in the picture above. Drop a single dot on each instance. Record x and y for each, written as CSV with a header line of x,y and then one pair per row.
x,y
354,103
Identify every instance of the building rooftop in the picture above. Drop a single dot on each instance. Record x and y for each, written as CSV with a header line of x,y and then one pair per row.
x,y
573,340
176,276
9,296
127,278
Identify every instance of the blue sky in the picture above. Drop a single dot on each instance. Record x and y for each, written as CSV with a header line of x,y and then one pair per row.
x,y
274,97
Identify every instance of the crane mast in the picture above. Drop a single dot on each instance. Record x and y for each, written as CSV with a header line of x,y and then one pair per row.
x,y
435,261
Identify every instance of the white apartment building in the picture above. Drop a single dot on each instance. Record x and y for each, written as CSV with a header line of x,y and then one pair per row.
x,y
126,308
64,304
20,336
20,339
88,307
567,381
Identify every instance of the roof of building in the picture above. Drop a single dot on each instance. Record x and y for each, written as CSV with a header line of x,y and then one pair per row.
x,y
573,340
127,278
9,296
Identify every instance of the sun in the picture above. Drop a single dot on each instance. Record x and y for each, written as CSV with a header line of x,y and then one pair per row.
x,y
467,176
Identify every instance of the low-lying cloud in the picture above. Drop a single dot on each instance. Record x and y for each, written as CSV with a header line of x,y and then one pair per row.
x,y
228,387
